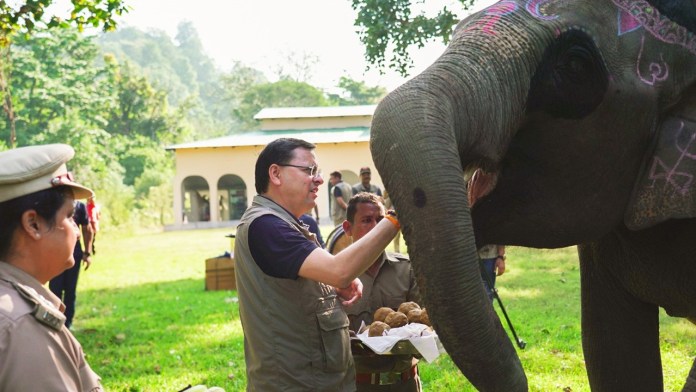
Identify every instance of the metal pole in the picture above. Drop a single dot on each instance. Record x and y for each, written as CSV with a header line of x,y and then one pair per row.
x,y
520,343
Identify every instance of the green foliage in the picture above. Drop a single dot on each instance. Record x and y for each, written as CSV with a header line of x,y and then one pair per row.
x,y
392,26
146,323
181,69
284,93
53,77
24,17
115,119
356,93
116,110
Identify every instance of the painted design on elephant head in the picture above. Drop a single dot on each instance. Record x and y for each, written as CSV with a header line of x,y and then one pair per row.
x,y
659,72
658,25
680,180
493,15
627,22
534,7
665,192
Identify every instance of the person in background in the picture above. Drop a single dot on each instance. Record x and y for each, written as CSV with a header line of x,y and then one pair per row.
x,y
340,194
388,282
291,290
37,238
94,215
492,265
64,286
364,184
492,256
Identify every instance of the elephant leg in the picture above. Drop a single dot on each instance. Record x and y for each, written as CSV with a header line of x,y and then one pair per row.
x,y
690,385
620,333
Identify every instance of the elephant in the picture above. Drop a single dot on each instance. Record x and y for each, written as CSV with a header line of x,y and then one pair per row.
x,y
546,124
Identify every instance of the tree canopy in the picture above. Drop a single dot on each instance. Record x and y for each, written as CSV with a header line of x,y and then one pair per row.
x,y
392,27
25,16
120,98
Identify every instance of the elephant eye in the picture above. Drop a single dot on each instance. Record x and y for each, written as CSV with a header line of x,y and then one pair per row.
x,y
571,79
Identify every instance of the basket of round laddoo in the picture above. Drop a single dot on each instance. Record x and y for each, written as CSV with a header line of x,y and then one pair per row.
x,y
406,330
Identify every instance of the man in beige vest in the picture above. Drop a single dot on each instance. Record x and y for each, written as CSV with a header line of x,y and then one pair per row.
x,y
291,291
340,194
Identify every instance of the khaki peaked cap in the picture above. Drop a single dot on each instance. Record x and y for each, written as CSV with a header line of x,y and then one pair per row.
x,y
26,170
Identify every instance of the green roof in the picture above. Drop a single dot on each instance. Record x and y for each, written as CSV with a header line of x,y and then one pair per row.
x,y
261,138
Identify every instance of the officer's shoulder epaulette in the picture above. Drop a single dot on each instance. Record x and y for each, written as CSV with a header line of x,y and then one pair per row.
x,y
44,311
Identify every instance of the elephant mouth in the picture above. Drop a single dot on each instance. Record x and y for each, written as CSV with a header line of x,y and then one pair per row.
x,y
480,184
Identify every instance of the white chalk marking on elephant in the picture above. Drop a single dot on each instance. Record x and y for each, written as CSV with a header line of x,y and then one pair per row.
x,y
534,9
670,174
658,72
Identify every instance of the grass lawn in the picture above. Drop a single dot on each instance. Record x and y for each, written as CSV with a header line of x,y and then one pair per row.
x,y
147,324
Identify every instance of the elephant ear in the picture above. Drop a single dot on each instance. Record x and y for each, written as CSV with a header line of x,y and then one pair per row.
x,y
666,188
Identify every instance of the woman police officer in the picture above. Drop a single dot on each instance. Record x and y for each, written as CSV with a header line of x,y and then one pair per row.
x,y
37,237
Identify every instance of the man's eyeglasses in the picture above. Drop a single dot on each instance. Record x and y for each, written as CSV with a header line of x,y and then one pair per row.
x,y
312,171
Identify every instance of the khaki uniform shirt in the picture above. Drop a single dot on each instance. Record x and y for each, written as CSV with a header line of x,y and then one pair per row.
x,y
37,351
295,331
359,187
393,285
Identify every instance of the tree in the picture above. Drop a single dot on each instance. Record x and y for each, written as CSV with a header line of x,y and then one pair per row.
x,y
297,66
390,26
53,73
24,17
356,93
283,93
179,67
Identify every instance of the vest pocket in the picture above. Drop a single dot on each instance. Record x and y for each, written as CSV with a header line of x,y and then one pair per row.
x,y
335,339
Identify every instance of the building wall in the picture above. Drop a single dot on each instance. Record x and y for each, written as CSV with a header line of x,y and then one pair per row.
x,y
213,163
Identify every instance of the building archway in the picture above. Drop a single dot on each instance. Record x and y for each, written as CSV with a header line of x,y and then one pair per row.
x,y
196,199
232,197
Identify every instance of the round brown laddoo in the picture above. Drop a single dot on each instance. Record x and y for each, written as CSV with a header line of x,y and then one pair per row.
x,y
419,316
396,320
407,307
377,328
381,313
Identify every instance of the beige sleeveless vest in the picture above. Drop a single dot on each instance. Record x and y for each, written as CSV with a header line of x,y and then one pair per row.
x,y
295,331
338,214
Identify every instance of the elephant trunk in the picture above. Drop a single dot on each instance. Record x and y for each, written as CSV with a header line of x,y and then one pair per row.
x,y
419,156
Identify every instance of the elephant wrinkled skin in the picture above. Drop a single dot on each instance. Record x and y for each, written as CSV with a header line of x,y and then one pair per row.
x,y
580,116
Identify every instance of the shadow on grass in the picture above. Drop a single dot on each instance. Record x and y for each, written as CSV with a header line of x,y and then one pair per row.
x,y
162,336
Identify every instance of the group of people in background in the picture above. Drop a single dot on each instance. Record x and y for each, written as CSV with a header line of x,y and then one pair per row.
x,y
342,192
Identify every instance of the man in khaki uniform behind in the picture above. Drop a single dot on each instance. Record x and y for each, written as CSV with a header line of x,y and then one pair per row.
x,y
37,237
388,282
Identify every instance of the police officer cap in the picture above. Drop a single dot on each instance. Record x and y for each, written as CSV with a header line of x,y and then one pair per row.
x,y
31,169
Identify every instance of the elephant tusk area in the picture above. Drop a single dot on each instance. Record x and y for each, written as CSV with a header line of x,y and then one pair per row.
x,y
480,184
